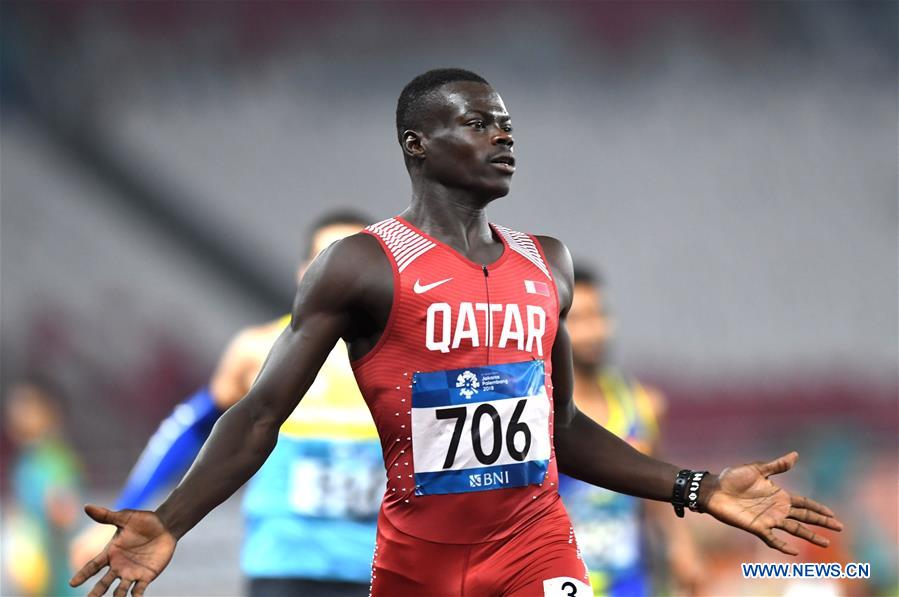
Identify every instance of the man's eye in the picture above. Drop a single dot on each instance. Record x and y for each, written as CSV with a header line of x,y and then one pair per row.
x,y
507,128
478,124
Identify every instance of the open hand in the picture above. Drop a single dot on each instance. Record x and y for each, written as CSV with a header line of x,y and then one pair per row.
x,y
745,498
137,553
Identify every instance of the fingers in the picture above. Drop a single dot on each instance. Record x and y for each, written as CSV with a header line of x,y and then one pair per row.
x,y
810,504
103,584
773,542
778,465
794,528
815,518
122,589
105,515
139,588
90,569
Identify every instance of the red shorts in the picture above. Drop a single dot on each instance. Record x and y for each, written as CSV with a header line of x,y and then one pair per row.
x,y
542,559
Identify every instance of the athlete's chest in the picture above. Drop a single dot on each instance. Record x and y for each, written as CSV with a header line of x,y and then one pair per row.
x,y
446,305
452,306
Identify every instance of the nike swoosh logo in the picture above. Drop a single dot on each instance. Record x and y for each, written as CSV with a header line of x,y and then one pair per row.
x,y
419,288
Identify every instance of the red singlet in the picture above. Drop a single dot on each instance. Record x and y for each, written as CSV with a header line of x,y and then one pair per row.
x,y
453,314
460,389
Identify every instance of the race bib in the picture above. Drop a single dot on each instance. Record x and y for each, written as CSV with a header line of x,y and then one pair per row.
x,y
480,428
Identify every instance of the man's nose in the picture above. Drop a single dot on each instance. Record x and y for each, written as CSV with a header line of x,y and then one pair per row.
x,y
504,138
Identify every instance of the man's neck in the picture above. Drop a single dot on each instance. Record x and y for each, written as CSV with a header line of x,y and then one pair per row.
x,y
451,215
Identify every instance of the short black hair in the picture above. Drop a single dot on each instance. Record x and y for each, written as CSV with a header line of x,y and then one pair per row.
x,y
586,275
335,217
411,107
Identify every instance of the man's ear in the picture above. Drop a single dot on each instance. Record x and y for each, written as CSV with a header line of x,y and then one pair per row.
x,y
412,144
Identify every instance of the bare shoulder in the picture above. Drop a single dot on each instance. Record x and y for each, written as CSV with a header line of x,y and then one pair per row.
x,y
559,259
346,263
352,279
556,251
358,247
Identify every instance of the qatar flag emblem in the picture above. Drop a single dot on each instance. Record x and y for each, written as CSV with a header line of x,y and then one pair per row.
x,y
534,287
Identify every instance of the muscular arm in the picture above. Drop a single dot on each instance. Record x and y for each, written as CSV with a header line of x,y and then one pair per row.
x,y
246,434
584,449
351,301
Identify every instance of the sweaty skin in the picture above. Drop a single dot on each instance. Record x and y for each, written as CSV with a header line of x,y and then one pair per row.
x,y
347,294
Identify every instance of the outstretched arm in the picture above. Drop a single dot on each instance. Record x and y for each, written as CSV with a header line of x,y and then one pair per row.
x,y
743,496
245,435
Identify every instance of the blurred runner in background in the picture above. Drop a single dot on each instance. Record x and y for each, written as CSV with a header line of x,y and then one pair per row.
x,y
318,541
615,530
46,477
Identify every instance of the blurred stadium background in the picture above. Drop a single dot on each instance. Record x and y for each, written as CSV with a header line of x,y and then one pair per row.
x,y
730,167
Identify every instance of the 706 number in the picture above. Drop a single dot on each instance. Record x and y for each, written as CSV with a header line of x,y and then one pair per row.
x,y
515,427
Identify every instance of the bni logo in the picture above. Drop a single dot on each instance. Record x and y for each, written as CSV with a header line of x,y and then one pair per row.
x,y
468,385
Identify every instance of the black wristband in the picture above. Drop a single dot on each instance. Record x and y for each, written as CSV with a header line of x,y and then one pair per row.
x,y
678,493
696,478
686,491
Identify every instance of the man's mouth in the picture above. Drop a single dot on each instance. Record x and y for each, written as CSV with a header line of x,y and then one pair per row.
x,y
504,162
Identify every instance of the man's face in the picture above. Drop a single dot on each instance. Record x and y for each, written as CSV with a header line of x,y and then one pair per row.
x,y
468,142
589,326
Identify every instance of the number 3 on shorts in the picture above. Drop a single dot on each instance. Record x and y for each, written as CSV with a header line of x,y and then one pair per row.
x,y
566,586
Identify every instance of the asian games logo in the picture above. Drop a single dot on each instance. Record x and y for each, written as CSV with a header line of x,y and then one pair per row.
x,y
468,385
